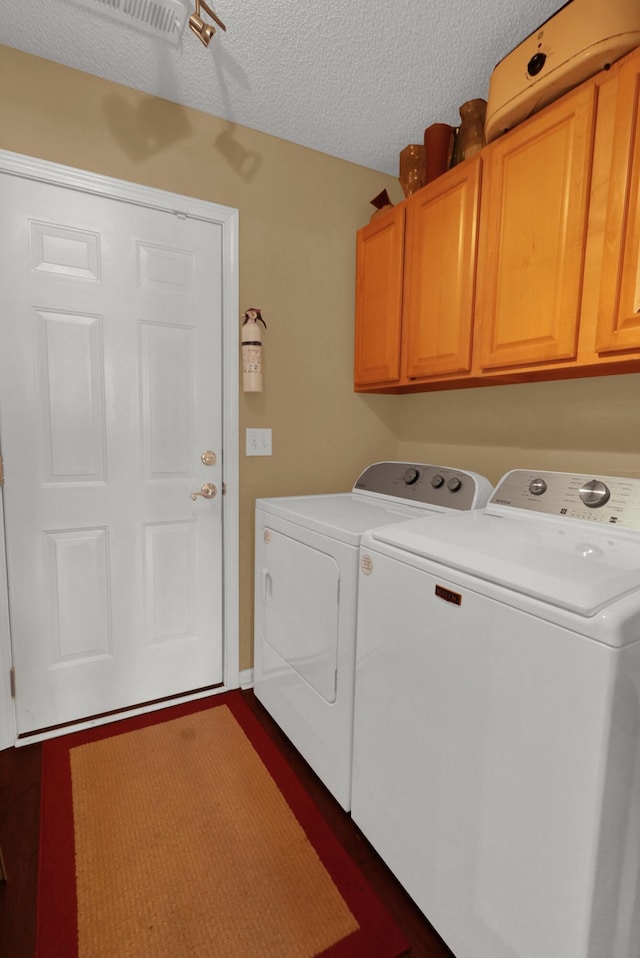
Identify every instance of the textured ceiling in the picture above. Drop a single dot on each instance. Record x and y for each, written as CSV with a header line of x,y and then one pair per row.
x,y
358,79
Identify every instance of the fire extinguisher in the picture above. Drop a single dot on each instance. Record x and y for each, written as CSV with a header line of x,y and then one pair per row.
x,y
252,351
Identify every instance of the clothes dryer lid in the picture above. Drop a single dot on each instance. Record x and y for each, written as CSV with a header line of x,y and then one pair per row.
x,y
342,516
385,492
575,568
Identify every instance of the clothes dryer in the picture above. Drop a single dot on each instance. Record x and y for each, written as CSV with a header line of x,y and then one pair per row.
x,y
496,758
306,576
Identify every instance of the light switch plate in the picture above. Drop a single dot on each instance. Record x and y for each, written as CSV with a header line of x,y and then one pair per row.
x,y
258,442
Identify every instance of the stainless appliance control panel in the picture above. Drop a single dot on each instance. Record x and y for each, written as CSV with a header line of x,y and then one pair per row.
x,y
426,484
607,500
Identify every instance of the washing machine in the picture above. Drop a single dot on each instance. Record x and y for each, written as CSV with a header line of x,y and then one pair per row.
x,y
496,762
306,581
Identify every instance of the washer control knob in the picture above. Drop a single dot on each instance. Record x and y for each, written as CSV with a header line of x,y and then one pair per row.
x,y
437,481
411,475
454,484
594,493
537,487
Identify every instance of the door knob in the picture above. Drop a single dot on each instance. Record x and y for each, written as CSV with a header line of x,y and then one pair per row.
x,y
207,491
208,457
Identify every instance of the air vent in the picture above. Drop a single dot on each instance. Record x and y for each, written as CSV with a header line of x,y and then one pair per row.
x,y
162,18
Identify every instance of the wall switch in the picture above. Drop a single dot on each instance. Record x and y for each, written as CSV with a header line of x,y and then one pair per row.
x,y
258,442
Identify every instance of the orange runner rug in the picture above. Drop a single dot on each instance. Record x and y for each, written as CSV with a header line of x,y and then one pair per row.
x,y
185,833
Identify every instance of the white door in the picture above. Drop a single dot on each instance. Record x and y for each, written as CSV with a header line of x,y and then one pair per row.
x,y
110,393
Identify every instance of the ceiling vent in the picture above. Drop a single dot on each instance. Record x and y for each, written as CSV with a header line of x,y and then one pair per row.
x,y
162,18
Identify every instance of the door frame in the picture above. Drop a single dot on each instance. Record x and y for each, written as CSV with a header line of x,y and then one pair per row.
x,y
227,218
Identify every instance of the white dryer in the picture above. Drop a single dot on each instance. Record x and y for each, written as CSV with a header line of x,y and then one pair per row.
x,y
496,758
306,575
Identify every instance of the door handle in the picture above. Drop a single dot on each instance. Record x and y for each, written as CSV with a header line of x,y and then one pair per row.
x,y
207,491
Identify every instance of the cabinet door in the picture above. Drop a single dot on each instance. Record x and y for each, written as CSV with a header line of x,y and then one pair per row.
x,y
619,300
440,259
379,255
533,231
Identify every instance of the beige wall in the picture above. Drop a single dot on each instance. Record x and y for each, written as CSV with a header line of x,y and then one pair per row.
x,y
299,211
582,425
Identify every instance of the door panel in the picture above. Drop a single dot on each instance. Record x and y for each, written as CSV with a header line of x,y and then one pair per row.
x,y
301,609
535,196
619,301
379,274
110,390
440,274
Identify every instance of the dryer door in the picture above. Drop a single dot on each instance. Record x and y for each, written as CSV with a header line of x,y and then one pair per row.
x,y
301,595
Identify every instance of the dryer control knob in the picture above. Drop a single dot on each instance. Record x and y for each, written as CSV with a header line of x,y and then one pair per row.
x,y
437,481
454,484
411,475
537,487
594,493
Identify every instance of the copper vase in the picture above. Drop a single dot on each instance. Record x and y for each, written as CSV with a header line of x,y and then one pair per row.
x,y
437,150
472,118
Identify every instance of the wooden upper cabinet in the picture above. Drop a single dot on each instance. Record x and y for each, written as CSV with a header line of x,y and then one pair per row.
x,y
440,259
520,264
618,325
535,196
379,272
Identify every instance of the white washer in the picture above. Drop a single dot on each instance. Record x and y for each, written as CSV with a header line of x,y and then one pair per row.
x,y
306,599
496,762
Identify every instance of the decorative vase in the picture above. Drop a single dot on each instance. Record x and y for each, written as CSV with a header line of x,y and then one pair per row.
x,y
438,140
381,202
471,137
412,168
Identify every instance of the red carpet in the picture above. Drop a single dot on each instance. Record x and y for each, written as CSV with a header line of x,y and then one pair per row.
x,y
376,936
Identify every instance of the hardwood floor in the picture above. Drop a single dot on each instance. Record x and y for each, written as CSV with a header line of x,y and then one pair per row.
x,y
20,771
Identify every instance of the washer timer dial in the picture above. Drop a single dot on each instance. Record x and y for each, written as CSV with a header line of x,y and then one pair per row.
x,y
594,493
537,487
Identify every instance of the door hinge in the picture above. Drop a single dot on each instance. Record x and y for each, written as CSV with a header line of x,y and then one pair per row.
x,y
1,472
12,682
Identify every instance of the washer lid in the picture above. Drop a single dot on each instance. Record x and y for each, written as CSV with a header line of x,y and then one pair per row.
x,y
579,569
